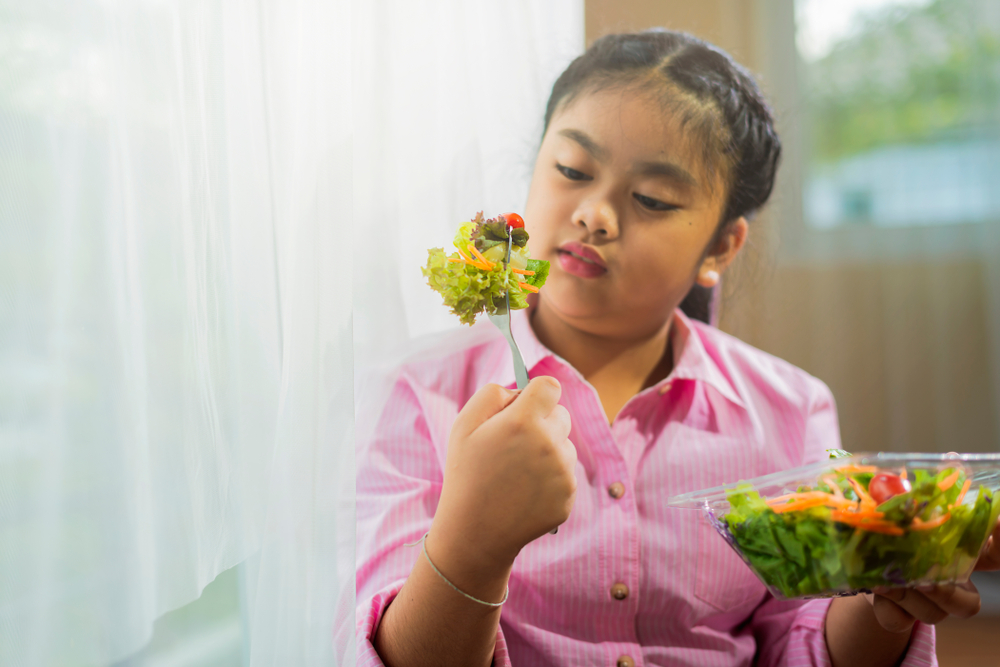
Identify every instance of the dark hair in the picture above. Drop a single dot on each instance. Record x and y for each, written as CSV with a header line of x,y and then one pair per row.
x,y
713,94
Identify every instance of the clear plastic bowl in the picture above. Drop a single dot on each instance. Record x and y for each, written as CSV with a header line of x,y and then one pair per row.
x,y
828,544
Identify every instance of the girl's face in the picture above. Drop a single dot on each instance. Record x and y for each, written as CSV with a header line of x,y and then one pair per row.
x,y
623,208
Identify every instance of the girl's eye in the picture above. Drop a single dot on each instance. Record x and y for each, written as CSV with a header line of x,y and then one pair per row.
x,y
653,204
573,174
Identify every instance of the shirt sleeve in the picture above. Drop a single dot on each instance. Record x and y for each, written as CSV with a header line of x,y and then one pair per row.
x,y
792,633
399,478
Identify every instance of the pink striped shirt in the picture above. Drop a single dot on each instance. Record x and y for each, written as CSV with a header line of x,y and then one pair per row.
x,y
727,411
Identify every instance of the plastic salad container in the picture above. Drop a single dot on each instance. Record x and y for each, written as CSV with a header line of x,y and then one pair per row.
x,y
849,524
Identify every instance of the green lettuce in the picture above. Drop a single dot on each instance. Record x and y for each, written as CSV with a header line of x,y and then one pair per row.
x,y
468,290
807,554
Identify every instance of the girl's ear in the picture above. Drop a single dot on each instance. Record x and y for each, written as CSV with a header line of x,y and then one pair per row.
x,y
723,252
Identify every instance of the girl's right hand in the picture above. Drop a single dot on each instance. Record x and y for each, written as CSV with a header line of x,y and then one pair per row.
x,y
509,475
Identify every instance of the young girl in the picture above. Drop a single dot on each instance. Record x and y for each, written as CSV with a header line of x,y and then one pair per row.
x,y
657,149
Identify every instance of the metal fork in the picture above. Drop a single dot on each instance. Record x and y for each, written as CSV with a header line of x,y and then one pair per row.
x,y
501,319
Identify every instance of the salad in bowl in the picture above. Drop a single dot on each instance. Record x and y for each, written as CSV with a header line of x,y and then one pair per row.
x,y
856,522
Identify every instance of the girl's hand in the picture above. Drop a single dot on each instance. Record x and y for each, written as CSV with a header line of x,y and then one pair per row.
x,y
508,479
897,609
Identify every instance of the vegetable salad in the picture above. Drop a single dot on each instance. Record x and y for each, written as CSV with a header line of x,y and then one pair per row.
x,y
474,279
862,526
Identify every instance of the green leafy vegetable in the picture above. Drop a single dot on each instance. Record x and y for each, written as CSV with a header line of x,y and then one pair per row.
x,y
468,284
926,534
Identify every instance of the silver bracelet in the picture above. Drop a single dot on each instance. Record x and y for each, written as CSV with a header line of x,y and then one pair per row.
x,y
423,541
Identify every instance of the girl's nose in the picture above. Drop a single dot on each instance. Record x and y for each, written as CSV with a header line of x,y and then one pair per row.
x,y
599,218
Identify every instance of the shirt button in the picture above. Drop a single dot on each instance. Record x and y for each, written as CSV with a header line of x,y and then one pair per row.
x,y
616,490
665,388
619,591
626,661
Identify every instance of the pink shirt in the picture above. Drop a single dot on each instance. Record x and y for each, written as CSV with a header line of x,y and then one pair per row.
x,y
726,412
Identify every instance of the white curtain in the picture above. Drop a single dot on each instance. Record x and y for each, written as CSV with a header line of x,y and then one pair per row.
x,y
449,100
208,212
175,338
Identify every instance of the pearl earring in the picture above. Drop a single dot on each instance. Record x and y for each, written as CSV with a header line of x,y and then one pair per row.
x,y
709,278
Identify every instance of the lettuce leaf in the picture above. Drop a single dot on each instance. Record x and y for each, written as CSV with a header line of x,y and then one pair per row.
x,y
468,290
807,553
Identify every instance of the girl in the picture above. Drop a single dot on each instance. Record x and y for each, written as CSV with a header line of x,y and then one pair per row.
x,y
657,149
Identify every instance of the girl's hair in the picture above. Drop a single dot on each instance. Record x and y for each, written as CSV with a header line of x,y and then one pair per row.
x,y
712,94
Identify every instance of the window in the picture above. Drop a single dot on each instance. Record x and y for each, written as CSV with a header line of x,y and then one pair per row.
x,y
902,101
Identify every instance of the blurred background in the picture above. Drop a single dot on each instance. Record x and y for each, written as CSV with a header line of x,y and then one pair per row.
x,y
877,265
194,194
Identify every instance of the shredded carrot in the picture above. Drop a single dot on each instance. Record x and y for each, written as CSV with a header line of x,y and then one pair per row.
x,y
530,288
866,501
803,495
965,489
456,259
854,468
480,257
855,517
885,528
470,262
831,481
902,475
799,505
523,272
949,481
872,524
927,525
804,500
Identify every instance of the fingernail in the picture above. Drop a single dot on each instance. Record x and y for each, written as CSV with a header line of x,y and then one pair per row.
x,y
926,588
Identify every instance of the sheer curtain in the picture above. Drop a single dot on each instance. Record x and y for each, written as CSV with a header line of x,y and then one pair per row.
x,y
450,97
208,212
175,340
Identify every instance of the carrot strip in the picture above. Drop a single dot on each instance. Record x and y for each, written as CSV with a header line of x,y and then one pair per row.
x,y
965,489
867,501
799,505
530,288
523,272
831,481
927,525
874,526
902,475
465,257
856,517
480,257
884,528
803,495
949,481
854,468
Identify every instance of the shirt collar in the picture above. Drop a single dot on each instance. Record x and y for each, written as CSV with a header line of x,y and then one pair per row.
x,y
692,361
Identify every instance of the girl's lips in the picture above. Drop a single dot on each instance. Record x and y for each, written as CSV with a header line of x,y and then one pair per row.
x,y
580,260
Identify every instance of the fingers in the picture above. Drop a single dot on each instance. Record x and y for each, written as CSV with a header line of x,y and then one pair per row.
x,y
889,612
961,600
897,608
990,558
485,403
540,396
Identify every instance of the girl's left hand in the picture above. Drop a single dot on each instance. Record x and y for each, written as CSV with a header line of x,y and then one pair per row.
x,y
897,609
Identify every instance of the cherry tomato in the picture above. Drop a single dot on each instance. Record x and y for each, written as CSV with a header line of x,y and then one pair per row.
x,y
513,220
886,485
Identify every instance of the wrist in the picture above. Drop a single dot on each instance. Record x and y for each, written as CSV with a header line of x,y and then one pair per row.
x,y
467,562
